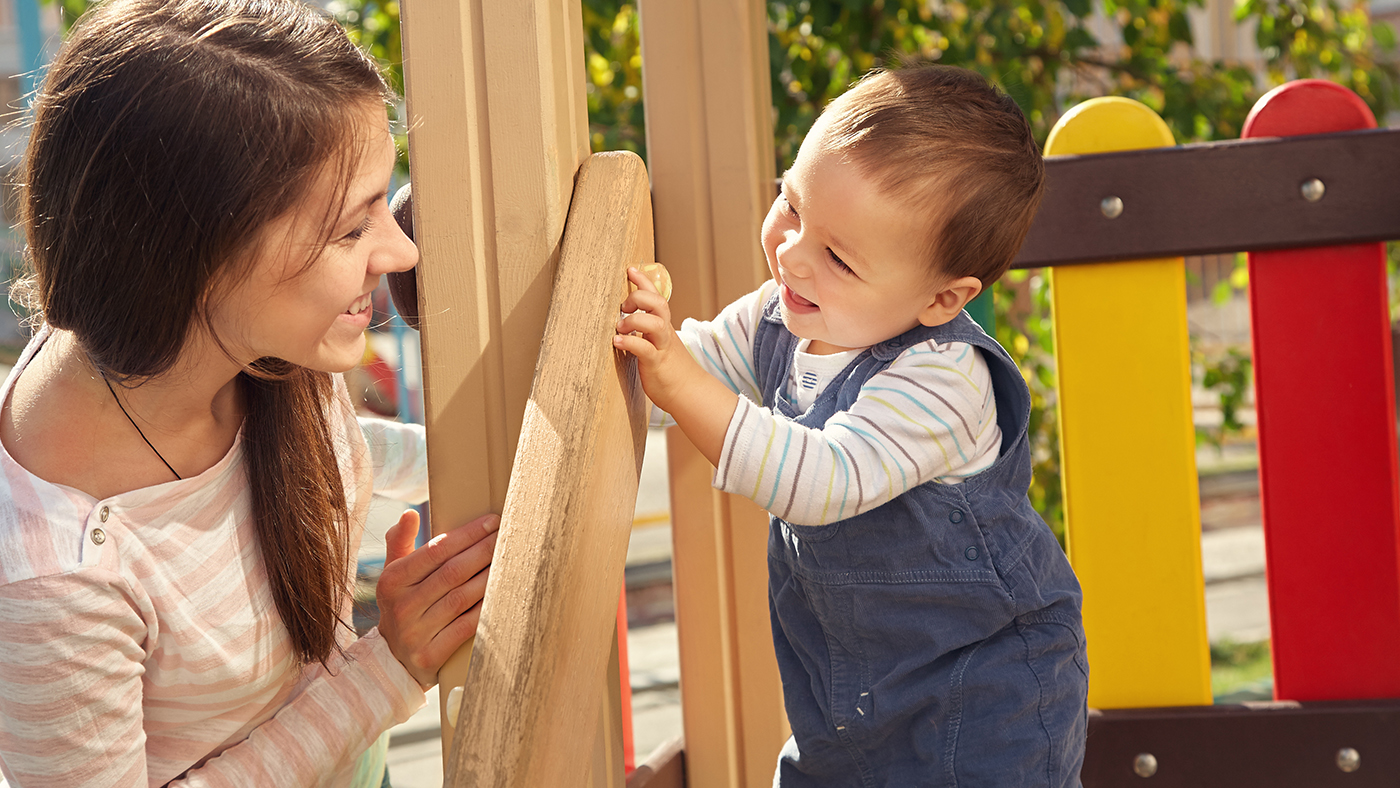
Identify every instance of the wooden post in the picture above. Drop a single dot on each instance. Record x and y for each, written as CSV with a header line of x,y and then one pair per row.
x,y
710,150
531,705
1127,448
1325,396
497,129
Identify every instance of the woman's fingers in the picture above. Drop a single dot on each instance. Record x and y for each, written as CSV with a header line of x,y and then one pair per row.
x,y
421,563
424,593
460,573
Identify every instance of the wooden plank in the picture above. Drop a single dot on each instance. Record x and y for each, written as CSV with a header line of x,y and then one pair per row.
x,y
1128,454
710,148
664,768
1324,391
1216,198
543,644
1280,745
498,127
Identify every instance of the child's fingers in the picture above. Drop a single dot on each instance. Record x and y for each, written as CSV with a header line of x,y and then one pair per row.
x,y
637,346
641,280
642,300
654,327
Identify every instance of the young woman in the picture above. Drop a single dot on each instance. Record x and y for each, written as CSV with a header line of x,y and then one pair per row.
x,y
183,480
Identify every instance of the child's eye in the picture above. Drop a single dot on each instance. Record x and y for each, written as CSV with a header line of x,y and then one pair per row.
x,y
839,263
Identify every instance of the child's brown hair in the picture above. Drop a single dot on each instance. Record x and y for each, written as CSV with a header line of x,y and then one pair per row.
x,y
951,145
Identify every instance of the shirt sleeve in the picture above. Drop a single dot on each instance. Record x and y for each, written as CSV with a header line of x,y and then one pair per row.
x,y
399,459
724,346
71,697
929,416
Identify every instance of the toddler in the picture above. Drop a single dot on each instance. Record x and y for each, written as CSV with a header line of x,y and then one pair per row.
x,y
926,623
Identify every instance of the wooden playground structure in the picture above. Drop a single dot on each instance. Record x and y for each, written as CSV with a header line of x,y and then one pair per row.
x,y
525,237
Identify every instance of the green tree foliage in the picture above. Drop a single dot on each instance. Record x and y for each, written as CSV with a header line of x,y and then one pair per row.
x,y
1046,54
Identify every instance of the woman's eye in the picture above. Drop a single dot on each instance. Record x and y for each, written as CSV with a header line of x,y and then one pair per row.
x,y
359,232
839,263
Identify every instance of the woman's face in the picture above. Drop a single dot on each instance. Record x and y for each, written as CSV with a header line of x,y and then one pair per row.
x,y
314,315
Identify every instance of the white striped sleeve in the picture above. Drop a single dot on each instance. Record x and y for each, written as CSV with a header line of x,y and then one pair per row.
x,y
71,713
723,347
398,458
929,416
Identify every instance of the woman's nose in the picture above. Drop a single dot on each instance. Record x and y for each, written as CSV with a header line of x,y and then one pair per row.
x,y
397,252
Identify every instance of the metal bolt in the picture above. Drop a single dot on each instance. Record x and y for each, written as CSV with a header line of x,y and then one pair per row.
x,y
1313,189
1145,765
1348,760
1111,207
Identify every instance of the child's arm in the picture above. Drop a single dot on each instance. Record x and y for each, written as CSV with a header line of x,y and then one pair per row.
x,y
701,405
930,415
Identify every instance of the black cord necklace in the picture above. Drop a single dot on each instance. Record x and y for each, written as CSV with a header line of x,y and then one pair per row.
x,y
134,424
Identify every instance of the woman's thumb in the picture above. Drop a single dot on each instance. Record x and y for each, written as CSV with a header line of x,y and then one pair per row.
x,y
398,541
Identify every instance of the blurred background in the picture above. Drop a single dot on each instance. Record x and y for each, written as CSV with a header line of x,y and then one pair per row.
x,y
1201,64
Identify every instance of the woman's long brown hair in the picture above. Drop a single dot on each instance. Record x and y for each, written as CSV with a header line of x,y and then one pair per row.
x,y
167,135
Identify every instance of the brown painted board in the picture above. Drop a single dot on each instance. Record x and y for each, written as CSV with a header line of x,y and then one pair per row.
x,y
1268,745
1242,195
532,699
664,768
710,150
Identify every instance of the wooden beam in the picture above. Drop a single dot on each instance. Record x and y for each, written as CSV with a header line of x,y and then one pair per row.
x,y
664,768
1218,197
710,149
532,699
497,129
1279,745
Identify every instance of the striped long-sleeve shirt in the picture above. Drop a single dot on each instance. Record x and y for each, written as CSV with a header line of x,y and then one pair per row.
x,y
929,416
140,645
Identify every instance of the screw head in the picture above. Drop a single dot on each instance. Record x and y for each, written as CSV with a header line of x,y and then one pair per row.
x,y
1313,189
1348,760
1111,207
1145,765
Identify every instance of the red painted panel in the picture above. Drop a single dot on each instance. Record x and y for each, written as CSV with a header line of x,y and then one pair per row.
x,y
1327,445
629,753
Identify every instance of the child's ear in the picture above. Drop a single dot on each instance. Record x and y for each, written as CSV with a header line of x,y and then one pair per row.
x,y
950,299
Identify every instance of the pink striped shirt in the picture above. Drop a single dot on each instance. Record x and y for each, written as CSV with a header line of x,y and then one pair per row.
x,y
140,645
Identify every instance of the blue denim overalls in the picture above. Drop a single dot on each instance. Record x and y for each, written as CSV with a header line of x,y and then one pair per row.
x,y
935,640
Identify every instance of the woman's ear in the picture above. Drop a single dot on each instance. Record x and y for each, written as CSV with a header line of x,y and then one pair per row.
x,y
950,299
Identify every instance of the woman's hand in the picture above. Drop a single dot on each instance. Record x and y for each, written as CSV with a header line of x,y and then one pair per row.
x,y
430,598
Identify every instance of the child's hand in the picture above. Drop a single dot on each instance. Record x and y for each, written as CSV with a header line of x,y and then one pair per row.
x,y
674,381
662,360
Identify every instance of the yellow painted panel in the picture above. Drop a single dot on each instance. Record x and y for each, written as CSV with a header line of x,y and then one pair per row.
x,y
1127,450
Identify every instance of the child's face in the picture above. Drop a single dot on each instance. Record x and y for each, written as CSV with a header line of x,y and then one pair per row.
x,y
850,259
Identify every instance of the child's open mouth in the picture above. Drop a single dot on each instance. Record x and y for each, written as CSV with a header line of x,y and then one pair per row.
x,y
796,303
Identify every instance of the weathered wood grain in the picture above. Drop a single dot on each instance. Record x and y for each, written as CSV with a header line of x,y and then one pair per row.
x,y
532,697
497,128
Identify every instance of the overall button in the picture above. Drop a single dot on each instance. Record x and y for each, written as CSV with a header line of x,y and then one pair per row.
x,y
970,553
102,514
955,516
98,537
